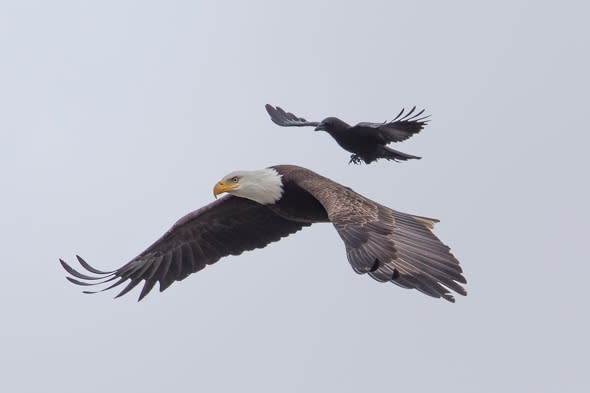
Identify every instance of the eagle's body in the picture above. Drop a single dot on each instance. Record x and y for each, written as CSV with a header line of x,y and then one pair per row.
x,y
367,141
272,203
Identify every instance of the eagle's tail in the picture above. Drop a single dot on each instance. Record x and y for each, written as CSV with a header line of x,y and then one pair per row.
x,y
429,222
391,154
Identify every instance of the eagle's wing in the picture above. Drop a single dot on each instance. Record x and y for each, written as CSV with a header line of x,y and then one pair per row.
x,y
230,225
287,119
387,244
398,129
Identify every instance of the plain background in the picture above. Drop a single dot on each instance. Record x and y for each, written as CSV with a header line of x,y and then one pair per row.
x,y
117,117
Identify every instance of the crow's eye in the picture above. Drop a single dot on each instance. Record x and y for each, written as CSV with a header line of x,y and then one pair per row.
x,y
234,179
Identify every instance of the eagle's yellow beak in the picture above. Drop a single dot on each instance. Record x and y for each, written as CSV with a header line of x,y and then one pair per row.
x,y
221,187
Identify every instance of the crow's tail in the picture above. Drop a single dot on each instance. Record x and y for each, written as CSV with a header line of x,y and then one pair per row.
x,y
390,154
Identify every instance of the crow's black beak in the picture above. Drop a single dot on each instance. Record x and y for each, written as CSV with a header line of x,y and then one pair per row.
x,y
320,128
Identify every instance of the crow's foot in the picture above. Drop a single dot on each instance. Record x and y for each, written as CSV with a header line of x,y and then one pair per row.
x,y
355,159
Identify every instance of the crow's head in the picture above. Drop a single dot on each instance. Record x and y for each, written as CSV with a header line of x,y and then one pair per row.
x,y
330,124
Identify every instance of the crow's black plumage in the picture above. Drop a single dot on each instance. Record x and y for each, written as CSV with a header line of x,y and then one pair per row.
x,y
367,141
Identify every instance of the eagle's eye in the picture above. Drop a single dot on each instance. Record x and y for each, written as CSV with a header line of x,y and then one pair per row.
x,y
234,179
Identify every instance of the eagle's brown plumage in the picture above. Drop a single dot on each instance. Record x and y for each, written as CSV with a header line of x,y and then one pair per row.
x,y
386,244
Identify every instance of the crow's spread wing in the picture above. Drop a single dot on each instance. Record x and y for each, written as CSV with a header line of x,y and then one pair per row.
x,y
398,129
287,119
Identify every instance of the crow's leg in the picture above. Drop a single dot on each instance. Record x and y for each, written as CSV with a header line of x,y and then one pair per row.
x,y
354,159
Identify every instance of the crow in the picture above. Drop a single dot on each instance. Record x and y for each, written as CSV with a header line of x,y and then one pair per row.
x,y
367,141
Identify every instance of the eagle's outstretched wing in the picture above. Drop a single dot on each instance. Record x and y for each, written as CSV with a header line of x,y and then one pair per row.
x,y
228,226
387,244
287,119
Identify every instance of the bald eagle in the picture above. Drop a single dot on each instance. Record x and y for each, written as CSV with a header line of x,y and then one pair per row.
x,y
269,204
367,141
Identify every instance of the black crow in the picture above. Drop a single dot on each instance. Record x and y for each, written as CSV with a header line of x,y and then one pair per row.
x,y
367,141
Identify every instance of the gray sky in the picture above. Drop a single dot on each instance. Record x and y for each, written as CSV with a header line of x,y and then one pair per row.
x,y
118,117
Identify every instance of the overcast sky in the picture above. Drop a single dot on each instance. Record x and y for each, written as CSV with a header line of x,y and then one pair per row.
x,y
117,117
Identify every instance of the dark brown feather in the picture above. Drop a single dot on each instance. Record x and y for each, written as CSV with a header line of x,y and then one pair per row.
x,y
230,225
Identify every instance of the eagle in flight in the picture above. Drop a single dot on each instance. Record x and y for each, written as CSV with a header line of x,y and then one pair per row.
x,y
266,205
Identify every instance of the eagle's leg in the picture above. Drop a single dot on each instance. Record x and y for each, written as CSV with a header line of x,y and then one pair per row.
x,y
355,159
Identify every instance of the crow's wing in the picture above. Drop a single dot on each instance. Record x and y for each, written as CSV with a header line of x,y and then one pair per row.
x,y
228,226
287,119
398,129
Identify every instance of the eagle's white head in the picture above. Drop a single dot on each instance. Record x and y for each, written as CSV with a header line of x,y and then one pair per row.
x,y
263,186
